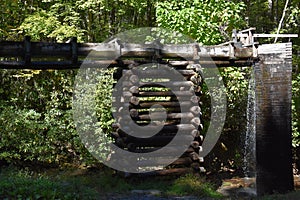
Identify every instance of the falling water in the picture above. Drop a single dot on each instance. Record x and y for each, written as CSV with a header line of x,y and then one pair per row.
x,y
249,166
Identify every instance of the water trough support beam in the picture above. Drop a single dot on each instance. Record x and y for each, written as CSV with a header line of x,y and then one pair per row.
x,y
45,55
273,119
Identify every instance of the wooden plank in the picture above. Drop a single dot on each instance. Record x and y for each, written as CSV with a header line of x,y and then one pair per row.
x,y
243,52
162,103
169,116
167,150
137,112
274,172
58,63
275,35
40,49
158,84
283,50
161,73
109,50
11,49
158,141
166,93
27,52
194,109
216,51
38,65
166,172
161,161
166,128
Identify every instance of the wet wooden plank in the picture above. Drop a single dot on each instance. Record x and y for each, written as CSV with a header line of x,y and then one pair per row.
x,y
273,120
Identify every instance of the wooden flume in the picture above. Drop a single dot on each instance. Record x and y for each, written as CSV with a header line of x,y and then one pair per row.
x,y
44,55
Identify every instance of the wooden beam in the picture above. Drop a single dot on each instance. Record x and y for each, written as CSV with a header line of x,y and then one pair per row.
x,y
275,35
71,55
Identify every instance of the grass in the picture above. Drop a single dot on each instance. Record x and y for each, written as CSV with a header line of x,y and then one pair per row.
x,y
193,185
84,184
23,184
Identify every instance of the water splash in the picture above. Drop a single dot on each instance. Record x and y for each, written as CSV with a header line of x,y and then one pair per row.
x,y
249,165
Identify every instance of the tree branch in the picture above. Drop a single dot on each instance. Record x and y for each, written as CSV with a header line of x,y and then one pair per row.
x,y
281,21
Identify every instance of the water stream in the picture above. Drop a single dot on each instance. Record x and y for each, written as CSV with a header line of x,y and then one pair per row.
x,y
245,187
249,166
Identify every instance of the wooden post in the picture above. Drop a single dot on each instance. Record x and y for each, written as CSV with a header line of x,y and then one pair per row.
x,y
74,49
273,119
27,51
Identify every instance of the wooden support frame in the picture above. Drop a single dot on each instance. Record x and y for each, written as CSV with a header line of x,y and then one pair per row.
x,y
273,90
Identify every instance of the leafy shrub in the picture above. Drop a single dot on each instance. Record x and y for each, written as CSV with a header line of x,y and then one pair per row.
x,y
36,117
92,109
27,135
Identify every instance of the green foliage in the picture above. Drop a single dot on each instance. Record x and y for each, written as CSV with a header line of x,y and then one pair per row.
x,y
104,90
211,22
296,110
42,25
92,109
293,18
27,135
208,22
291,25
23,184
228,151
91,20
36,118
87,184
236,81
36,89
193,185
270,12
12,14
